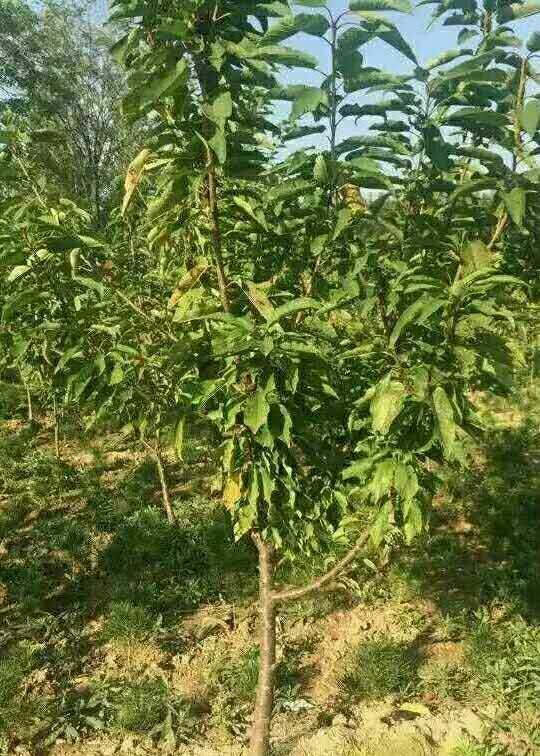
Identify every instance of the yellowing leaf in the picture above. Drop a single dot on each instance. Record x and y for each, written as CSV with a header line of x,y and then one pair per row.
x,y
476,256
133,176
260,301
187,282
416,708
232,492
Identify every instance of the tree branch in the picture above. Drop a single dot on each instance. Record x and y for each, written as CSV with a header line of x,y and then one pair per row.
x,y
324,580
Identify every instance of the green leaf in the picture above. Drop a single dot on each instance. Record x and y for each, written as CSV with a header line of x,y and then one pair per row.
x,y
444,413
530,116
296,305
311,3
218,143
344,219
473,117
381,525
289,190
286,56
320,170
179,437
533,43
308,101
471,187
386,405
17,272
413,523
247,208
402,6
420,310
90,283
314,24
478,62
117,376
256,411
446,57
394,38
162,83
515,11
516,201
301,131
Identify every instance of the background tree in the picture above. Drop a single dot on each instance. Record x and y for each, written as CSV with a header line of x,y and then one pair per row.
x,y
56,73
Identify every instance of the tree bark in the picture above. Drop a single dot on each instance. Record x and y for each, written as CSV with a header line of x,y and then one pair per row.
x,y
260,732
171,517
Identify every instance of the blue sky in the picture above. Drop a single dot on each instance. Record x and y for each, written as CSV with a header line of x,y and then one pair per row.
x,y
426,42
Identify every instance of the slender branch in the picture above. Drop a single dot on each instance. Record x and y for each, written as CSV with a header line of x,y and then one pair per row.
x,y
501,225
324,580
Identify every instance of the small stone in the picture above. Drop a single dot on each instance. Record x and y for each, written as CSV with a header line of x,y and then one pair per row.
x,y
365,625
340,720
472,723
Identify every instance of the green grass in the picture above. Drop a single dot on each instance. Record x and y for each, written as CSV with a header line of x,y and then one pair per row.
x,y
379,668
143,706
126,622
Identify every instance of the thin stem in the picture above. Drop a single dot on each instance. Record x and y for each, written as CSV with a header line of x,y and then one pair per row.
x,y
501,225
216,232
171,517
56,429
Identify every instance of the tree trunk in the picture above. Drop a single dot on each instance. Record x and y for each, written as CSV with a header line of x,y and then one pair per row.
x,y
56,430
171,517
28,400
269,600
260,732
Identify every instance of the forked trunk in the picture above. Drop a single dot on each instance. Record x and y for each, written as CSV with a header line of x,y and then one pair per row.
x,y
269,600
260,732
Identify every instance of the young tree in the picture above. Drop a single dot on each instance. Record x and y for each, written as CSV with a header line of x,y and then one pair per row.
x,y
419,264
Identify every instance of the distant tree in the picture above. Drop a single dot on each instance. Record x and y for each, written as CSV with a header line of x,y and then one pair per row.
x,y
56,74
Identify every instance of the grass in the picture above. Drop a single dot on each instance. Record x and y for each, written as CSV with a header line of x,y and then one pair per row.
x,y
127,623
379,668
90,566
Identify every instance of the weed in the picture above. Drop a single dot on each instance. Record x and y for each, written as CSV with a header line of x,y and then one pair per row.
x,y
446,679
143,706
505,662
128,623
378,668
148,707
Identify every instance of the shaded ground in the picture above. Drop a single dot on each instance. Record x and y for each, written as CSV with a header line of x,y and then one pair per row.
x,y
120,634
